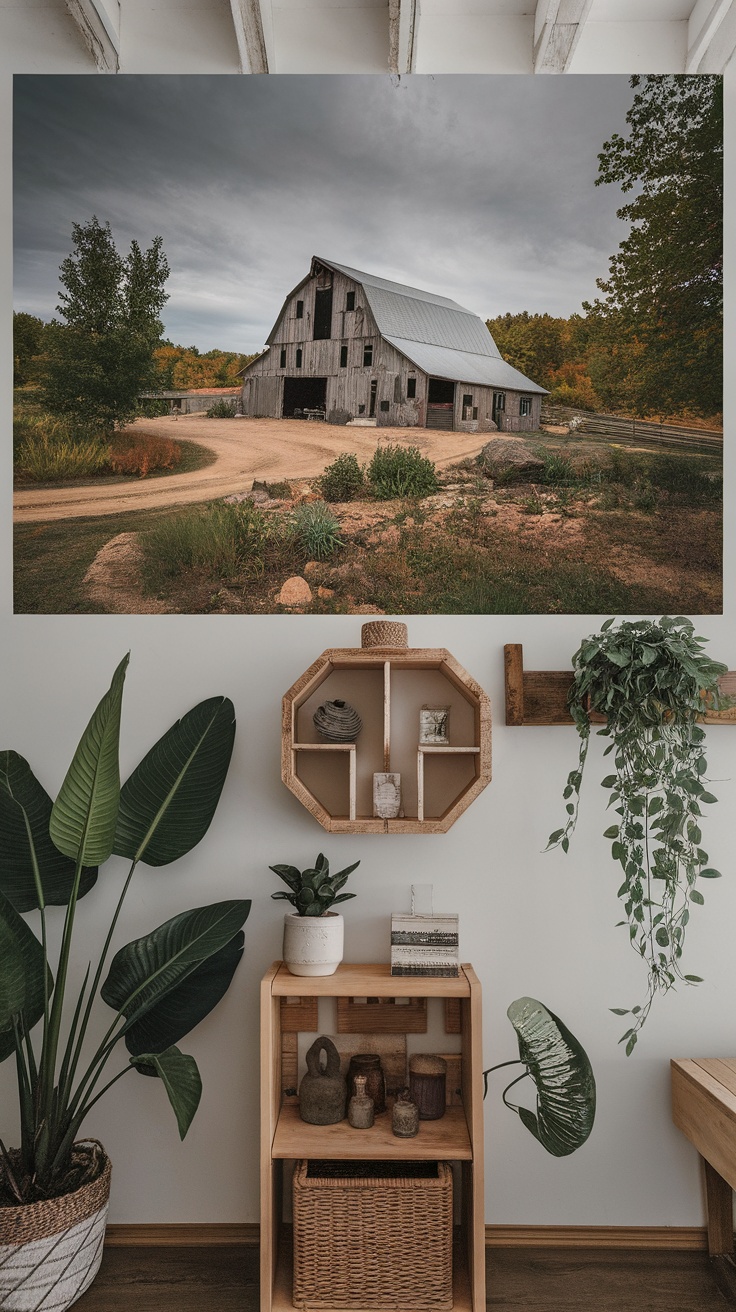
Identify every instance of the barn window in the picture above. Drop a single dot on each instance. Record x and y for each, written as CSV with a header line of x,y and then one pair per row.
x,y
467,406
282,359
299,357
397,388
368,353
384,405
350,301
411,388
475,412
300,309
525,405
343,357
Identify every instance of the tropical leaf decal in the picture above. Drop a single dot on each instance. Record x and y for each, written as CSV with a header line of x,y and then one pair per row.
x,y
561,1071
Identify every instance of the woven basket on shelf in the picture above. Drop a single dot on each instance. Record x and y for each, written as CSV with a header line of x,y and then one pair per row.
x,y
369,1240
50,1251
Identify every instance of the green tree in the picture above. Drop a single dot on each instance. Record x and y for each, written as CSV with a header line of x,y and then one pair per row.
x,y
100,356
27,346
663,298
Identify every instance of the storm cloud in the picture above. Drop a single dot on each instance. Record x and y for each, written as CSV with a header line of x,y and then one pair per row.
x,y
478,188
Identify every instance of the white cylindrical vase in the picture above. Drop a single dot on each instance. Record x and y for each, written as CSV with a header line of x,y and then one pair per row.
x,y
313,945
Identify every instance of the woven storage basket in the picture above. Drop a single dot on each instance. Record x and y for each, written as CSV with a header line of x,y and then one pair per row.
x,y
362,1240
50,1252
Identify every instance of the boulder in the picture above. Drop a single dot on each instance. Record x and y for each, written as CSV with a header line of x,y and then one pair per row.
x,y
294,592
504,456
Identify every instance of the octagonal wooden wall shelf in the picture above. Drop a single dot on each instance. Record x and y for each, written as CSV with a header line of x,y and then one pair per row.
x,y
388,685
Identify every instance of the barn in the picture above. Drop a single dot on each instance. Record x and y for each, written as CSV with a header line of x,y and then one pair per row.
x,y
349,346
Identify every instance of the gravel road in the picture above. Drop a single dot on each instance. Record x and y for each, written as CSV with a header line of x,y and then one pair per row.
x,y
246,449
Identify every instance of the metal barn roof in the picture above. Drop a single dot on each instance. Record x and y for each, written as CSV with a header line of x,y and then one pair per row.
x,y
437,335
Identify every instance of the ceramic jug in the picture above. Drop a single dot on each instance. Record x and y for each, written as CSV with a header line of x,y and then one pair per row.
x,y
323,1091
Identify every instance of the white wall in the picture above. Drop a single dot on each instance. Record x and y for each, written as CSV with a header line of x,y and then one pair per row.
x,y
530,923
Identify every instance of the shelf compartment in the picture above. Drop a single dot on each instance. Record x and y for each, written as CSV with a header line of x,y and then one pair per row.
x,y
301,750
284,1277
429,750
446,1138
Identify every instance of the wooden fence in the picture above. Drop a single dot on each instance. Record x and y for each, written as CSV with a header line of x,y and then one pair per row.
x,y
647,430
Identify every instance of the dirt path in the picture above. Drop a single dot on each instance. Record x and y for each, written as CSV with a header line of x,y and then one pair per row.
x,y
270,449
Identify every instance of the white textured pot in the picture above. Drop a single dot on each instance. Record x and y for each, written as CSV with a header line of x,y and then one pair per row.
x,y
313,945
50,1252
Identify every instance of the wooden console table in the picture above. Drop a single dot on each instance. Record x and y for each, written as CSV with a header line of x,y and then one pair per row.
x,y
704,1108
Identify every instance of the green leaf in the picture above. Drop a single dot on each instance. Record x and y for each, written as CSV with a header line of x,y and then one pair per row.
x,y
181,1080
290,876
708,798
695,896
29,862
167,804
144,971
610,781
631,1045
693,979
611,832
555,837
84,814
187,1003
709,873
563,1076
662,937
22,966
619,1011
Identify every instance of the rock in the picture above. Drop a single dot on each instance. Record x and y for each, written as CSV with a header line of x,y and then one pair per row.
x,y
294,592
311,567
503,456
325,593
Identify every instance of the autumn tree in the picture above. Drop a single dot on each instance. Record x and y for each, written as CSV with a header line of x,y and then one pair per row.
x,y
100,355
655,337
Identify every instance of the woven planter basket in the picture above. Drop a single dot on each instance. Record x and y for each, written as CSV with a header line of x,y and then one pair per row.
x,y
372,1242
50,1252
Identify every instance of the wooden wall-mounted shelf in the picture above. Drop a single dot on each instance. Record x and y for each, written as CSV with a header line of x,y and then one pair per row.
x,y
536,697
388,685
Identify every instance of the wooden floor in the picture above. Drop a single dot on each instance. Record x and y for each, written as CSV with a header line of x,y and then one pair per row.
x,y
225,1279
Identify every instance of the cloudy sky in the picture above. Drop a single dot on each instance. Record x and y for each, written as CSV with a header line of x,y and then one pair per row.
x,y
478,188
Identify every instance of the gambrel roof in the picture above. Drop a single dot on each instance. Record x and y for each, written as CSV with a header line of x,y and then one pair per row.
x,y
439,336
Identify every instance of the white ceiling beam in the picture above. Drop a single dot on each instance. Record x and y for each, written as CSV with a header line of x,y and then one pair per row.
x,y
711,37
558,25
248,23
99,23
403,20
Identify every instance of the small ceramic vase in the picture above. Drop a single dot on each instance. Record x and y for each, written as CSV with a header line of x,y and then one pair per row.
x,y
427,1081
337,722
360,1107
369,1065
313,945
405,1117
323,1091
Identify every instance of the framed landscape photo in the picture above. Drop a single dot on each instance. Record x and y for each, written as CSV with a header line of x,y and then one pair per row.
x,y
354,344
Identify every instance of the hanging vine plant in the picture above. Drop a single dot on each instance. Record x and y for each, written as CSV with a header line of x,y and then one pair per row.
x,y
652,681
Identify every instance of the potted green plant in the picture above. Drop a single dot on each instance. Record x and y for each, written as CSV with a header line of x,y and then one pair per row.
x,y
313,935
54,1187
652,681
561,1072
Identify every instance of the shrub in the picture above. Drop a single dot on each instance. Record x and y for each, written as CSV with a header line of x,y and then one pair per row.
x,y
279,491
401,471
344,479
222,410
141,454
220,537
316,529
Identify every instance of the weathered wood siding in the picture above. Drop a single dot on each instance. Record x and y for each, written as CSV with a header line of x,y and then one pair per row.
x,y
349,385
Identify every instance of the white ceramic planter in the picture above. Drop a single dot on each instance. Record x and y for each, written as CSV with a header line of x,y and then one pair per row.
x,y
313,945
